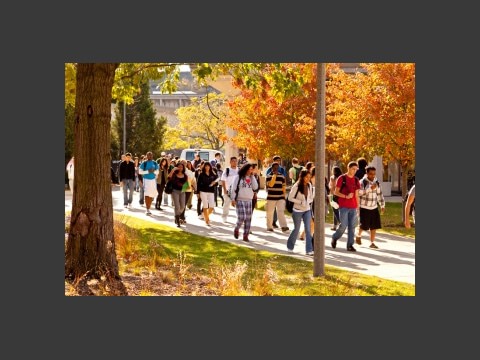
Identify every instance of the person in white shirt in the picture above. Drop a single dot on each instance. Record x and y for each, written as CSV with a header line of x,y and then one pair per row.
x,y
371,196
227,179
302,195
244,186
70,170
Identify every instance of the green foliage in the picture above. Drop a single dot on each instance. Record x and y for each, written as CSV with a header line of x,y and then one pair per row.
x,y
145,132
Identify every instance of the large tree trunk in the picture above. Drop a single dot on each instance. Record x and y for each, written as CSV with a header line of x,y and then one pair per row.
x,y
90,251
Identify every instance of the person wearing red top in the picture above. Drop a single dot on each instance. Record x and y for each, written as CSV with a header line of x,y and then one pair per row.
x,y
349,202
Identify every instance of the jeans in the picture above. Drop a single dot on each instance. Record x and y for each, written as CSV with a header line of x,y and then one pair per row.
x,y
128,185
142,194
348,217
297,217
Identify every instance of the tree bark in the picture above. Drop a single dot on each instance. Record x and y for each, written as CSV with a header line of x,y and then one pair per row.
x,y
90,250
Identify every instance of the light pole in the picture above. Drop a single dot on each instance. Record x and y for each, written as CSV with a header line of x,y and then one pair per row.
x,y
319,223
124,127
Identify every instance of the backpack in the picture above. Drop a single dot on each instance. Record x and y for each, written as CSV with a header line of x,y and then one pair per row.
x,y
297,171
229,191
289,204
365,183
344,182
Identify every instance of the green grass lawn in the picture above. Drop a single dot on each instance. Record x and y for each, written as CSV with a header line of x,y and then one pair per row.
x,y
239,270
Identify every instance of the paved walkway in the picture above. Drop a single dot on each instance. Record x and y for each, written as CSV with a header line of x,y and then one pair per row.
x,y
394,260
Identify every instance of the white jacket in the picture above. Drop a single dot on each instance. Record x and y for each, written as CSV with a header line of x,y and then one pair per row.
x,y
300,203
70,170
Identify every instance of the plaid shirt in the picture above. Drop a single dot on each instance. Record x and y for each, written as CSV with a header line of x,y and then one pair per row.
x,y
368,197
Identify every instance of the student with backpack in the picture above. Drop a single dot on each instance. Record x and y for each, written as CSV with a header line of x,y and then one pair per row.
x,y
243,189
302,196
370,197
348,201
294,171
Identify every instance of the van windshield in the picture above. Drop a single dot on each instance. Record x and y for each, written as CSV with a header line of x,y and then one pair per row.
x,y
190,155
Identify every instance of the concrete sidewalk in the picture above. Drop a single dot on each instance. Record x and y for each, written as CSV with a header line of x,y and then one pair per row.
x,y
394,260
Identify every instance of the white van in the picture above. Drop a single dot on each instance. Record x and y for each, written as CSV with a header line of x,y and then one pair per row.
x,y
205,154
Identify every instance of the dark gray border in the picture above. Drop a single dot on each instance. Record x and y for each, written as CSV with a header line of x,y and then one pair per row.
x,y
170,32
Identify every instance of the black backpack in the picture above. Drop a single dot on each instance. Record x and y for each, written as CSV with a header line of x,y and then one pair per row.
x,y
289,204
344,182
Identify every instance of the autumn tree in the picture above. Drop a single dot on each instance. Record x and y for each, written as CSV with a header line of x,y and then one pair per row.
x,y
373,113
277,113
202,123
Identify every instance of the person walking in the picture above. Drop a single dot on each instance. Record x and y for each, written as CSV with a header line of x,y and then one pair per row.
x,y
408,207
207,181
370,197
71,170
336,172
161,181
244,186
302,195
227,179
348,204
127,179
180,182
219,186
276,195
276,159
149,171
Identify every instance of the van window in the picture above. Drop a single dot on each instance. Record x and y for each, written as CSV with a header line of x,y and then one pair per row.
x,y
205,154
190,155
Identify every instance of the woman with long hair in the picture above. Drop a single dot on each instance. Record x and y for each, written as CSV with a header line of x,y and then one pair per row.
x,y
161,180
243,188
179,178
207,181
302,195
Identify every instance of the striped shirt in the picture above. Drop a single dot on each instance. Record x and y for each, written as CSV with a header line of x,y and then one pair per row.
x,y
277,191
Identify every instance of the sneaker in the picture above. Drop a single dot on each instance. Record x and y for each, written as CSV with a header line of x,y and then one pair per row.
x,y
275,226
285,229
310,253
235,233
224,219
334,243
358,240
290,250
373,246
351,248
159,208
148,212
269,229
245,238
125,206
201,217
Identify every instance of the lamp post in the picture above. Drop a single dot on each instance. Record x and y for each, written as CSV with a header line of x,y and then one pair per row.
x,y
319,223
124,128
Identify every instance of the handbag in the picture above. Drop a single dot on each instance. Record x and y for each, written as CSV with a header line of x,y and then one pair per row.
x,y
168,187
